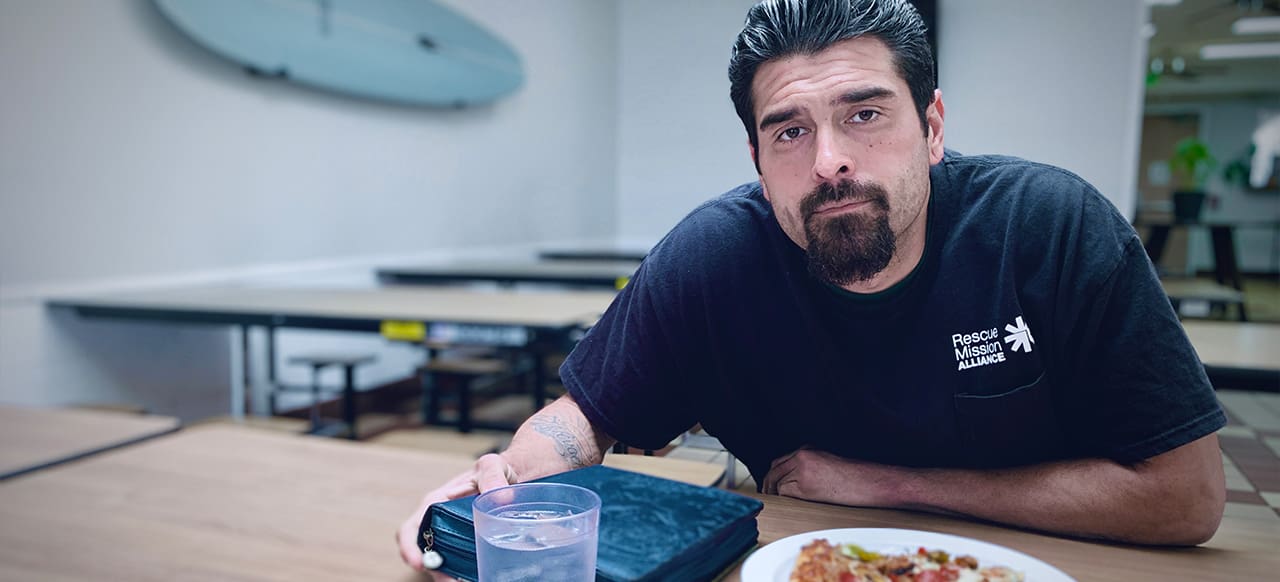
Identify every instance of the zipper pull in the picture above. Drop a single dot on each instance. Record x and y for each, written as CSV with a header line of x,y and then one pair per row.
x,y
431,560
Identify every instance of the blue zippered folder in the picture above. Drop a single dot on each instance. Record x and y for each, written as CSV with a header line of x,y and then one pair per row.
x,y
650,528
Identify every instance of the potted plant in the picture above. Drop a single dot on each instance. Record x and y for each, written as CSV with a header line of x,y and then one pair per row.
x,y
1191,165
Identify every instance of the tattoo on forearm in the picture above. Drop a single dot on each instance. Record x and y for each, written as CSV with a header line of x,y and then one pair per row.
x,y
571,445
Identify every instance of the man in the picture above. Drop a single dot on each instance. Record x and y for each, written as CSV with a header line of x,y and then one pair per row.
x,y
878,322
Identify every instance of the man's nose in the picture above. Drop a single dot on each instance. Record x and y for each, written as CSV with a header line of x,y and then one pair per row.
x,y
831,161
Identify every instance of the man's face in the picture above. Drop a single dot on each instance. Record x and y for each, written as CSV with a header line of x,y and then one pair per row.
x,y
843,158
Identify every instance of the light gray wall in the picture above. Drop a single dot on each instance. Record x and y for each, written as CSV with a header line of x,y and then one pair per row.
x,y
679,141
1018,78
130,156
128,150
1052,81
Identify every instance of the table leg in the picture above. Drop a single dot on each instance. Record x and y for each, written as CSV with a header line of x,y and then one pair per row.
x,y
349,399
1157,238
464,403
1226,269
430,398
539,379
271,356
242,387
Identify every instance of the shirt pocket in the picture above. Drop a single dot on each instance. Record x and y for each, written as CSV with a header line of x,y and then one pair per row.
x,y
1010,428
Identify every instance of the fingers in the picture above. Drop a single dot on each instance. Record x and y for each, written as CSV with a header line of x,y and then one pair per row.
x,y
406,538
789,487
780,468
492,472
407,535
452,491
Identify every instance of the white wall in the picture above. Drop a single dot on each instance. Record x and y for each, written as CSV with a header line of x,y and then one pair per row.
x,y
1057,82
679,140
1052,81
128,150
131,156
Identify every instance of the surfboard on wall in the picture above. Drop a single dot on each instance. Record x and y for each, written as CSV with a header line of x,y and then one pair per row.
x,y
408,51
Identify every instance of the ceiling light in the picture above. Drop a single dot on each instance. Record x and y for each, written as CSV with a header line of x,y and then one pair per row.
x,y
1247,50
1148,30
1257,25
1163,2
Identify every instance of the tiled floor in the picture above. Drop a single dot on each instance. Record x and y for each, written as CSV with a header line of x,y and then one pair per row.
x,y
1251,453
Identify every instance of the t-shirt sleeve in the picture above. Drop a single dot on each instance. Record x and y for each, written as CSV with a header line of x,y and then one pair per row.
x,y
629,374
1136,387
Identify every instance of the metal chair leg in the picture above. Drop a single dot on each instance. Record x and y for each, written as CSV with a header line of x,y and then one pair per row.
x,y
315,397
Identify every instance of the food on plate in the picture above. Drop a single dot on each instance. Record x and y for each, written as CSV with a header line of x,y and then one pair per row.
x,y
819,561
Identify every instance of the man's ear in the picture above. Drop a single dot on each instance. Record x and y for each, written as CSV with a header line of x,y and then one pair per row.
x,y
933,117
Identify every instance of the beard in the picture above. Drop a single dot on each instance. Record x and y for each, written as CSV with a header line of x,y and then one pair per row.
x,y
849,247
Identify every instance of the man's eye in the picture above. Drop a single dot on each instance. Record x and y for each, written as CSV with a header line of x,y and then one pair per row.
x,y
791,133
864,116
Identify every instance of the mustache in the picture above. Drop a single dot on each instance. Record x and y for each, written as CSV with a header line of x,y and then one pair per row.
x,y
845,190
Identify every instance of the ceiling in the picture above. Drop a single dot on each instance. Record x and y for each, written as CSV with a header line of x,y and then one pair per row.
x,y
1180,31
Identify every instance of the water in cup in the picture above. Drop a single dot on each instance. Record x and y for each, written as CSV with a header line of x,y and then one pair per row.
x,y
527,536
539,551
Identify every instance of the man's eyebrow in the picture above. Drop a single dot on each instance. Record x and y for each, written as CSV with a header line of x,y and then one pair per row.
x,y
779,117
860,95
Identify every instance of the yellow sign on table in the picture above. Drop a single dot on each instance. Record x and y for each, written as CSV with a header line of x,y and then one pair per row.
x,y
404,331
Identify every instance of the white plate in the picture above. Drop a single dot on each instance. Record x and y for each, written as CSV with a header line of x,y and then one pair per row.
x,y
773,562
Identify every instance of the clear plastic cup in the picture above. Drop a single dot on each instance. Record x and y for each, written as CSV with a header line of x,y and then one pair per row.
x,y
537,531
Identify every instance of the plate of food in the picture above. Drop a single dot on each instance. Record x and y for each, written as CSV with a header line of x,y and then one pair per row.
x,y
857,554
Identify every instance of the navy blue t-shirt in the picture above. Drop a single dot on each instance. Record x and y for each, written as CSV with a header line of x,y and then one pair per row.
x,y
1034,329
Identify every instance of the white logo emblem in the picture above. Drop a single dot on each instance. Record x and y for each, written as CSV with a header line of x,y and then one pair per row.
x,y
1019,335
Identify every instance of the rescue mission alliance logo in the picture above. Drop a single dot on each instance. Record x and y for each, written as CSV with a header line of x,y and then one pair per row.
x,y
984,347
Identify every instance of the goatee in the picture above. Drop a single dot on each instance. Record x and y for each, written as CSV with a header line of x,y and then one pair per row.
x,y
849,247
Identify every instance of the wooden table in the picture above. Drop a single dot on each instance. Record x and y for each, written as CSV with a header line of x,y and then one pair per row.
x,y
1224,344
533,321
692,472
1226,266
593,253
221,502
1238,355
1243,549
1213,297
356,309
36,438
588,274
218,502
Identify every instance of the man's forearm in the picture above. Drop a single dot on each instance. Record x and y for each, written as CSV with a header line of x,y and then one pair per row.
x,y
1173,498
557,438
1090,498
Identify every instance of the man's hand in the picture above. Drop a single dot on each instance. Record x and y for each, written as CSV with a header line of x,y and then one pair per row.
x,y
556,439
490,472
820,476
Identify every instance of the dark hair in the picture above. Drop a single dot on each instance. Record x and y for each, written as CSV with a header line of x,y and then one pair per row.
x,y
780,28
